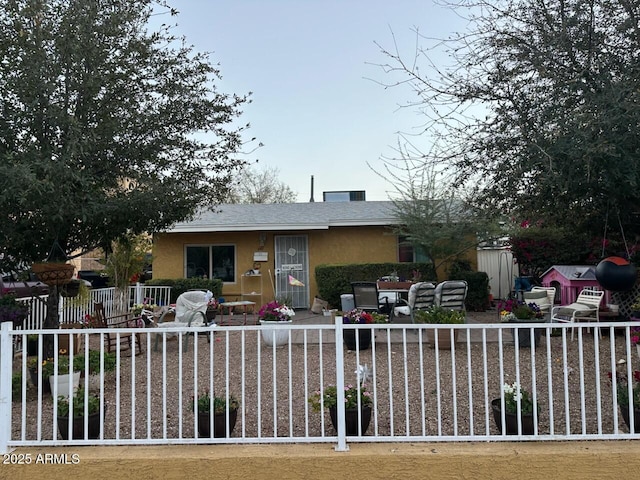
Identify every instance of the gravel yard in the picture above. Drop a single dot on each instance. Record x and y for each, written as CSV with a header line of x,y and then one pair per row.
x,y
146,400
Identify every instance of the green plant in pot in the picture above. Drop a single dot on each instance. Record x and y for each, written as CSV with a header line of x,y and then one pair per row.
x,y
78,404
205,403
357,402
437,315
622,394
512,393
11,310
517,311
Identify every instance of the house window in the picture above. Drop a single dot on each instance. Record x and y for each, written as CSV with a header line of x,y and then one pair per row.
x,y
408,253
211,261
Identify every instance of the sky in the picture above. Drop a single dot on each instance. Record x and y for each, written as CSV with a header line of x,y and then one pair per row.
x,y
317,106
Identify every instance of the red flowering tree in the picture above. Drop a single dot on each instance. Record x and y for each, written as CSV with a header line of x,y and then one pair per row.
x,y
537,248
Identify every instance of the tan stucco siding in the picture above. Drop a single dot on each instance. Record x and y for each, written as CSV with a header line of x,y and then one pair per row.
x,y
334,246
337,245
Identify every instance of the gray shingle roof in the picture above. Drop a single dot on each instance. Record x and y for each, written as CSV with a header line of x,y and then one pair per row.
x,y
289,216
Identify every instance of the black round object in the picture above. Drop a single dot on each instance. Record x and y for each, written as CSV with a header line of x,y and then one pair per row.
x,y
616,274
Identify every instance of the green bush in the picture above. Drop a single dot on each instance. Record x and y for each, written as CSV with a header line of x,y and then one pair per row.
x,y
335,280
478,294
181,285
439,315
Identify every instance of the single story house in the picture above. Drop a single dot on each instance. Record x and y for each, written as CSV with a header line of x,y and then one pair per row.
x,y
263,251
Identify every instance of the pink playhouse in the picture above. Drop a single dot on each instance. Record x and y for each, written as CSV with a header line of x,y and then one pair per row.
x,y
569,280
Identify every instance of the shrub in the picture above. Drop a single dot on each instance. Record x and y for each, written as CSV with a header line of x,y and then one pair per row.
x,y
439,315
478,294
181,285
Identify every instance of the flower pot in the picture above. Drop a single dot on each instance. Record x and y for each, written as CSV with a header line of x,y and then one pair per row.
x,y
277,336
219,424
53,273
636,418
211,315
33,376
63,383
77,433
364,338
444,338
351,419
525,338
511,420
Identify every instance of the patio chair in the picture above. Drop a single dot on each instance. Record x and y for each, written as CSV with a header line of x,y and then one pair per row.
x,y
421,296
586,307
126,320
190,311
543,297
367,297
451,294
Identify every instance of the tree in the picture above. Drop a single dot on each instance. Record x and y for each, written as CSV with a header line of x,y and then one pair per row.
x,y
260,186
107,129
98,117
433,214
538,107
126,260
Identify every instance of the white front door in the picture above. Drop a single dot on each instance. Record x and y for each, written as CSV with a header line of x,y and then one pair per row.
x,y
292,266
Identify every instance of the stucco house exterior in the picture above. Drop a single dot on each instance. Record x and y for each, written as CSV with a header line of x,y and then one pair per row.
x,y
282,242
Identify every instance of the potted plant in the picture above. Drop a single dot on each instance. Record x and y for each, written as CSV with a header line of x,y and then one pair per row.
x,y
50,366
222,409
511,394
78,402
275,313
357,317
517,311
437,315
11,310
357,403
622,393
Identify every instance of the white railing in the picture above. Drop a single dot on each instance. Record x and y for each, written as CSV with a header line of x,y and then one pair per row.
x,y
73,310
420,393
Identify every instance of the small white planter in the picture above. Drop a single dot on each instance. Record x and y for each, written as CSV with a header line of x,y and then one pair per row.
x,y
279,336
63,383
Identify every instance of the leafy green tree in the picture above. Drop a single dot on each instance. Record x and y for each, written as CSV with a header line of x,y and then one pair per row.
x,y
106,127
109,127
537,106
435,217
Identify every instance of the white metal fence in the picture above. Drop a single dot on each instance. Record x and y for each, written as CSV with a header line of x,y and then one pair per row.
x,y
73,310
420,393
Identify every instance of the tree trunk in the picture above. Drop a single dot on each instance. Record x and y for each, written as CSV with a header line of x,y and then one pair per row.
x,y
121,300
51,320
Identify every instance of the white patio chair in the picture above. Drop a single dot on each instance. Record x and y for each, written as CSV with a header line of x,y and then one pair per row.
x,y
586,307
543,297
451,294
421,296
190,311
